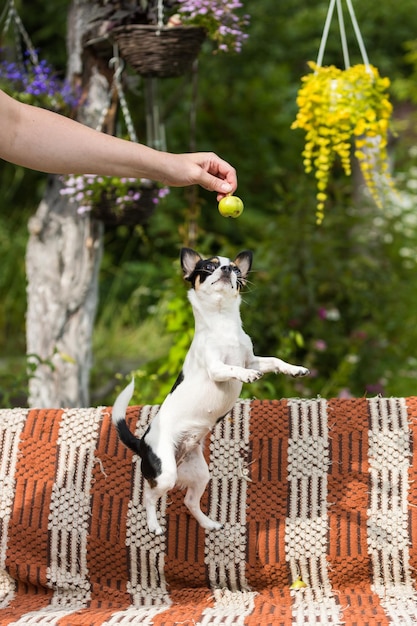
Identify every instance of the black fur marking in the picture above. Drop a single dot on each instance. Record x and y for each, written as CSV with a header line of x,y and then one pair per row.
x,y
179,380
127,437
151,465
203,269
196,268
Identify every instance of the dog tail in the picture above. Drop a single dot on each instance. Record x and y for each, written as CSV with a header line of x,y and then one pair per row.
x,y
119,418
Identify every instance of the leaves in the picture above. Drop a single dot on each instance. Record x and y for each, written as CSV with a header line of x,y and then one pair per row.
x,y
338,107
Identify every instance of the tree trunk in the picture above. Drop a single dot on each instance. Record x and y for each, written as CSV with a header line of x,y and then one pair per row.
x,y
63,259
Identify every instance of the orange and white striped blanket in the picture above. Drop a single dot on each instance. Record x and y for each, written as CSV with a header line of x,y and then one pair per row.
x,y
325,490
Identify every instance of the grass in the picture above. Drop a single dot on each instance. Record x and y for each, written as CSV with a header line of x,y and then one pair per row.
x,y
120,349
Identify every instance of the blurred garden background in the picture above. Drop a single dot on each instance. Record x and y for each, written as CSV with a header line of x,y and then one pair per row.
x,y
339,298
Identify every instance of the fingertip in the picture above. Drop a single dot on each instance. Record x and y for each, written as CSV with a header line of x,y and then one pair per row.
x,y
226,188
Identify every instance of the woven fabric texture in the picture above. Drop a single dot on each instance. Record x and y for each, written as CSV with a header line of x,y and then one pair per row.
x,y
322,490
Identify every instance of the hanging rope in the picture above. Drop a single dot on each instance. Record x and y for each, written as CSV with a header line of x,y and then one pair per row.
x,y
357,32
11,16
160,14
323,42
325,32
192,193
104,112
117,64
343,34
155,129
4,12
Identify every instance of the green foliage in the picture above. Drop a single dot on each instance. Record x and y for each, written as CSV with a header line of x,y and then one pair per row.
x,y
15,378
15,207
339,298
405,88
156,378
46,24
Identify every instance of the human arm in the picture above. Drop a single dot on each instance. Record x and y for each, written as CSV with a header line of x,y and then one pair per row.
x,y
48,142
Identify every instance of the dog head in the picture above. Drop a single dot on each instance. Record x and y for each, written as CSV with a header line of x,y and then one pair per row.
x,y
215,274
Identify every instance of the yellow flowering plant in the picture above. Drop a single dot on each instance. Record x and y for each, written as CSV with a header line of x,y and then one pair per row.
x,y
341,111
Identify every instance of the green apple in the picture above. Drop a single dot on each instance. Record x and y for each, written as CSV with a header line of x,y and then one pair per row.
x,y
231,206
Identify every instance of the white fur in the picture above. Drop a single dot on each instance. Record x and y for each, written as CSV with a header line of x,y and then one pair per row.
x,y
218,362
122,402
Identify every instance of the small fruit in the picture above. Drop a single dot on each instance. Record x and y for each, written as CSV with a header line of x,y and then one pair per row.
x,y
231,206
298,584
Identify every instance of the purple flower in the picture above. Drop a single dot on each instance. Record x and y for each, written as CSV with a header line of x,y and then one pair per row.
x,y
322,313
376,389
89,191
345,394
39,82
218,18
332,315
320,345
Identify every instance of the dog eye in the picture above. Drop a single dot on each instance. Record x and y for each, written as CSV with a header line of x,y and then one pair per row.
x,y
210,267
236,270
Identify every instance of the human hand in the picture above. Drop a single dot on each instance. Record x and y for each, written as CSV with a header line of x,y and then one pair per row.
x,y
202,168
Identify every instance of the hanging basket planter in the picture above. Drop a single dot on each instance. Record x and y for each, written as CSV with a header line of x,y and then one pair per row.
x,y
114,201
159,51
136,208
344,113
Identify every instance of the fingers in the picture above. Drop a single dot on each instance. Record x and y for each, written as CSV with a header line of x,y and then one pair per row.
x,y
198,168
216,174
213,183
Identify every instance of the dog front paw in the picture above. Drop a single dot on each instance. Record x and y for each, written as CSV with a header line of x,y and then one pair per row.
x,y
298,370
249,376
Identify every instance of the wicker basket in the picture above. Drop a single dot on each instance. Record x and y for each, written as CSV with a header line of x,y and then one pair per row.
x,y
159,52
137,212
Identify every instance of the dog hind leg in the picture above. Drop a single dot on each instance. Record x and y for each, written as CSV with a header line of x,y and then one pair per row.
x,y
194,475
154,490
150,499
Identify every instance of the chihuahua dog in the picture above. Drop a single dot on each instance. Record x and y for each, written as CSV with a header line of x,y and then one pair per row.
x,y
219,360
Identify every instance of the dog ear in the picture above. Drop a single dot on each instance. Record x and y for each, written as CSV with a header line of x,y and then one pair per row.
x,y
244,262
189,259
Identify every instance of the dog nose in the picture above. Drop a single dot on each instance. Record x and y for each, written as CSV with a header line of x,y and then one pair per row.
x,y
226,268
